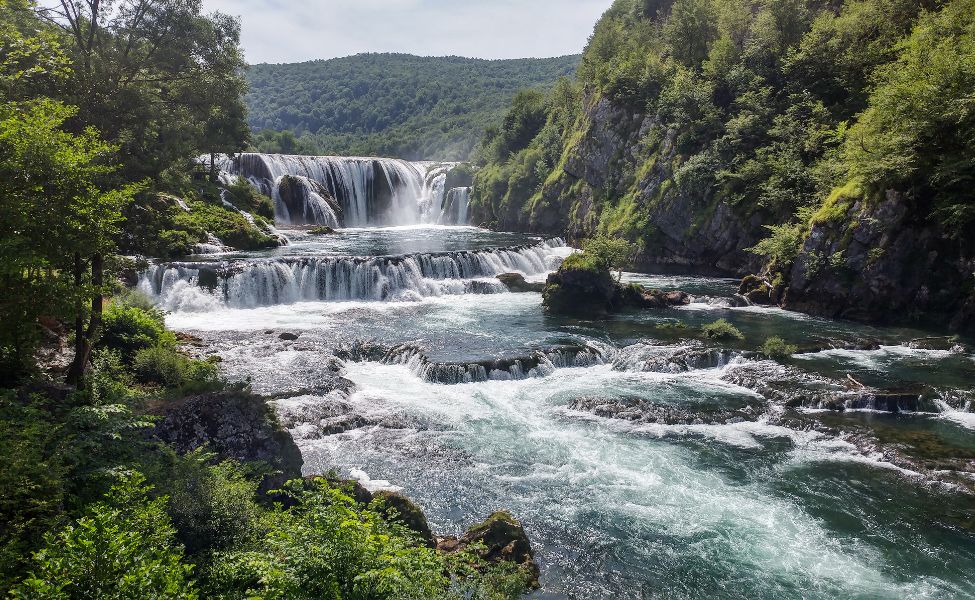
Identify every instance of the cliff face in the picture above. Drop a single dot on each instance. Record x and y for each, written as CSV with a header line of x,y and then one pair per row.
x,y
620,167
884,263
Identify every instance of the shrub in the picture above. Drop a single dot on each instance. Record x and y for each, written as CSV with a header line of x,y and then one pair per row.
x,y
212,506
722,330
609,252
123,548
776,347
129,329
329,546
165,365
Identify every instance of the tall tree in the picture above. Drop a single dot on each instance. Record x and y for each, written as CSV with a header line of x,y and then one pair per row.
x,y
155,77
58,215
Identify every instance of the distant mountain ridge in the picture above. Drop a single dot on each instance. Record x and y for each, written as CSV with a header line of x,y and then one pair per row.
x,y
400,105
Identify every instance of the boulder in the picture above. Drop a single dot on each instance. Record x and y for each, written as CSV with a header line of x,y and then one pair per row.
x,y
500,538
580,291
288,336
399,508
757,290
515,282
235,425
640,297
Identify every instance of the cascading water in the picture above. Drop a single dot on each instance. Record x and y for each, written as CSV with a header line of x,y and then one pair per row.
x,y
642,458
370,191
456,206
287,280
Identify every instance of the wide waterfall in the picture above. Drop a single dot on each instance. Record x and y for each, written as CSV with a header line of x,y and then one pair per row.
x,y
246,284
367,191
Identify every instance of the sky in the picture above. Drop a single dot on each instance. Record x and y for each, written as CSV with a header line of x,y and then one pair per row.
x,y
299,30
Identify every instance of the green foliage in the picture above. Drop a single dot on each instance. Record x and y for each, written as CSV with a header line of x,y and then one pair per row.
x,y
158,226
122,548
166,366
32,484
770,108
388,104
162,81
51,208
610,253
128,329
776,347
722,330
919,128
329,546
213,505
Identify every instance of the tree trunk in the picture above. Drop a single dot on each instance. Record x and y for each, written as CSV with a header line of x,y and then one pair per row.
x,y
85,339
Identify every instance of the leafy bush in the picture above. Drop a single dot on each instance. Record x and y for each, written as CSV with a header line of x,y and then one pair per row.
x,y
213,506
32,486
123,548
776,347
329,546
128,329
165,365
722,330
612,253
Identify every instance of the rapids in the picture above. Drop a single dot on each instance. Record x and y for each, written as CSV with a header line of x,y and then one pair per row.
x,y
643,462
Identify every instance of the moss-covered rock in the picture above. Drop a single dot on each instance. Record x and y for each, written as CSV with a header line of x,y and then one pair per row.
x,y
397,507
499,538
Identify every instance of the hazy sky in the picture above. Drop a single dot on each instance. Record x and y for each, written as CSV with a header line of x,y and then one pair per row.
x,y
299,30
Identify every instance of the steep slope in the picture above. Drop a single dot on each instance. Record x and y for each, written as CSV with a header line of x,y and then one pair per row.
x,y
391,104
828,145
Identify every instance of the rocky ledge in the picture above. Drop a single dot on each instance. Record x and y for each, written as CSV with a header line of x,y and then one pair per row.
x,y
235,425
591,292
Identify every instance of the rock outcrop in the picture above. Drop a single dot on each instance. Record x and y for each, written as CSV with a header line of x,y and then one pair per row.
x,y
234,425
500,538
587,292
515,282
882,263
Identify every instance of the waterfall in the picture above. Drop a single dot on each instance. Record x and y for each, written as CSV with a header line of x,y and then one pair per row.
x,y
246,284
455,207
370,191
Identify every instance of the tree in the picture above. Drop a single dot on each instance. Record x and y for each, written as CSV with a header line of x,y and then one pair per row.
x,y
155,77
58,215
610,253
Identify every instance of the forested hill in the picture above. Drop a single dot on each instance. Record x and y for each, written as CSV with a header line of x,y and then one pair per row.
x,y
389,104
828,146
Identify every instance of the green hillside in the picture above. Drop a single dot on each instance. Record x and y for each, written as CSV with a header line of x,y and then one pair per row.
x,y
389,104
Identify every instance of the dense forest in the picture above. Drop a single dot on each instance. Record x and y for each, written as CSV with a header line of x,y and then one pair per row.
x,y
826,145
104,107
388,104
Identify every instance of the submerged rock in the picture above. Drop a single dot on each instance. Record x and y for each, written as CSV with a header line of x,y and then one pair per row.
x,y
515,282
288,336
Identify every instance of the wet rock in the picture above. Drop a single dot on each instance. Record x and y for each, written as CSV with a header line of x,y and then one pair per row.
x,y
500,538
756,290
580,292
397,507
323,230
289,337
234,425
641,297
934,343
515,282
